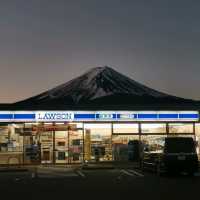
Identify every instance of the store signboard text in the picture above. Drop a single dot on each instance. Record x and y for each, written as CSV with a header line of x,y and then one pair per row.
x,y
54,116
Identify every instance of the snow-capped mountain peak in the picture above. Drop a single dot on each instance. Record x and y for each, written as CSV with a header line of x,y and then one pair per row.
x,y
96,84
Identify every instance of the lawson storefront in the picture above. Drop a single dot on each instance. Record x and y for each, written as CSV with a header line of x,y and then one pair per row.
x,y
67,137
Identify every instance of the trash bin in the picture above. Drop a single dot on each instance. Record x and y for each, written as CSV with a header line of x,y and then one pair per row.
x,y
134,150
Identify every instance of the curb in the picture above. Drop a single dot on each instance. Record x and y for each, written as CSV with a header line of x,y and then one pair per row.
x,y
14,170
97,167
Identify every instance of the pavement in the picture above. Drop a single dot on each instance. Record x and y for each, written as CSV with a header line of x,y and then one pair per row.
x,y
124,181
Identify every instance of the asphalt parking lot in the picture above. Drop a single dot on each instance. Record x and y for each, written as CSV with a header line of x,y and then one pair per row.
x,y
118,183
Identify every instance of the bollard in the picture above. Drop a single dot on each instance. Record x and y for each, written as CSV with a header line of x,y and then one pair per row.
x,y
34,173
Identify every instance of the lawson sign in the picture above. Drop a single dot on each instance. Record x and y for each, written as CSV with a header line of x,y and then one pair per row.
x,y
54,116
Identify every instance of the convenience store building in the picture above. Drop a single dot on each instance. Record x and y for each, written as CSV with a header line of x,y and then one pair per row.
x,y
67,137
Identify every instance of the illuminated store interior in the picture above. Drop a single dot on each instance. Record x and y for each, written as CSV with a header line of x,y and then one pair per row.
x,y
71,142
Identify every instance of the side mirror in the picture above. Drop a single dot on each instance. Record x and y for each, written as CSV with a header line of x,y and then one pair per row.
x,y
146,149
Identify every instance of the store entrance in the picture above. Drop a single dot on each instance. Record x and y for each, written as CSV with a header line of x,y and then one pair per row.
x,y
61,147
61,144
75,144
68,146
46,145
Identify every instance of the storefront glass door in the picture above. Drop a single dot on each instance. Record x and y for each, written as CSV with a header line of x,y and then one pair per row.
x,y
46,143
61,147
75,146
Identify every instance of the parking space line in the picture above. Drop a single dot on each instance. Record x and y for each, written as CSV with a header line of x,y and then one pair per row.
x,y
80,173
127,173
136,173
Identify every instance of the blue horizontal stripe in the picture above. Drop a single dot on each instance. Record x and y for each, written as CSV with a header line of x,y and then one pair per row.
x,y
147,116
24,116
84,116
168,116
189,116
6,116
98,116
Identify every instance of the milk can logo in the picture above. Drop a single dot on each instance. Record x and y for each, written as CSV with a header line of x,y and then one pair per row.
x,y
54,116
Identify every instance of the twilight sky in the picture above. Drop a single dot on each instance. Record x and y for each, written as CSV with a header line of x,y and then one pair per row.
x,y
44,43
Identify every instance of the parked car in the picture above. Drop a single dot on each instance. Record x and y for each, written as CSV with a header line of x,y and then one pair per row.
x,y
180,155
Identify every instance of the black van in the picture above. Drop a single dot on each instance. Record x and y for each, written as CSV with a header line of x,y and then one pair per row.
x,y
180,155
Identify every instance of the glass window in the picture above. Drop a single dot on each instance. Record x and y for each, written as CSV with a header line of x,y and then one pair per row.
x,y
153,128
197,136
125,128
73,125
124,139
180,145
120,146
153,143
31,143
75,146
11,145
97,142
180,128
197,129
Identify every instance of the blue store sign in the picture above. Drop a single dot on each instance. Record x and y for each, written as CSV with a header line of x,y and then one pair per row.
x,y
51,116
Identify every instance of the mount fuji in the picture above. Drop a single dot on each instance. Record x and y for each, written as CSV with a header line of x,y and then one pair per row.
x,y
103,88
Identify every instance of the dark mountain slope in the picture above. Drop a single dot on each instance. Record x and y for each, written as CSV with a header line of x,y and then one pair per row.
x,y
103,88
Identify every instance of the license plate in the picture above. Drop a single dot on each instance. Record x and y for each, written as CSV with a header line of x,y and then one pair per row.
x,y
181,157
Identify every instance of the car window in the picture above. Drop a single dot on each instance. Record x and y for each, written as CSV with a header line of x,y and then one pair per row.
x,y
178,145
